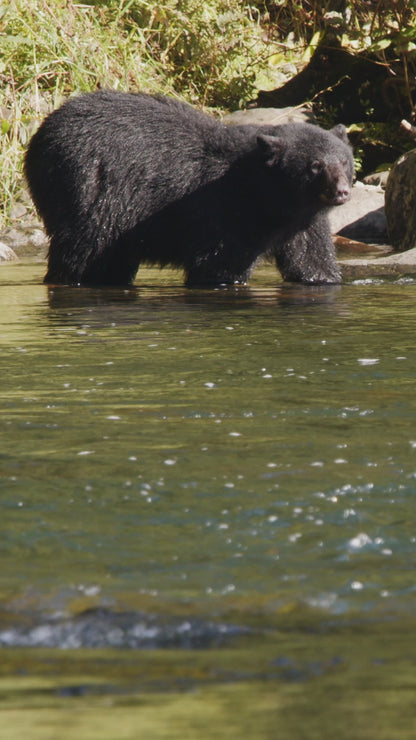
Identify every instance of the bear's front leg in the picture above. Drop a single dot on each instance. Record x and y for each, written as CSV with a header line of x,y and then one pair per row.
x,y
309,255
219,262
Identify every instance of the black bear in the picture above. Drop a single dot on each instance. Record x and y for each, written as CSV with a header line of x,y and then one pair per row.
x,y
122,179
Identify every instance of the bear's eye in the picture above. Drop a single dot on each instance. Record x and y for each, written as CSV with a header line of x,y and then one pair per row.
x,y
316,167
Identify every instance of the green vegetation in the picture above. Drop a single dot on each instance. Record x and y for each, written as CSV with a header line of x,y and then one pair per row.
x,y
215,53
205,52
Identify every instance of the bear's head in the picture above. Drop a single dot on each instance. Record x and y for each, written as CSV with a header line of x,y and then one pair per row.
x,y
316,166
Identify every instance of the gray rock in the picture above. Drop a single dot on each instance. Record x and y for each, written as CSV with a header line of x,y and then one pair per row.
x,y
362,218
38,238
393,266
270,116
15,237
25,236
7,254
401,202
377,178
18,210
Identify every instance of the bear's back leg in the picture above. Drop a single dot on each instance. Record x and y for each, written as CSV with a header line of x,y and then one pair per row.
x,y
83,263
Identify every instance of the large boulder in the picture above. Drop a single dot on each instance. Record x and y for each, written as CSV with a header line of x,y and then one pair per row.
x,y
362,217
400,203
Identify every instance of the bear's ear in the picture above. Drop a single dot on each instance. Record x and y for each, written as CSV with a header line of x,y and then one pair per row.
x,y
340,132
271,147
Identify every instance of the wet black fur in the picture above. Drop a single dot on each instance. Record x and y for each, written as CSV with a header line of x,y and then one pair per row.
x,y
123,179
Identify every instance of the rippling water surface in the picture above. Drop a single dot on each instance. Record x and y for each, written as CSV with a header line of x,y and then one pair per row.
x,y
226,479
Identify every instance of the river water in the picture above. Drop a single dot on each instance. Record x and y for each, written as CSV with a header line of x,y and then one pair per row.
x,y
208,504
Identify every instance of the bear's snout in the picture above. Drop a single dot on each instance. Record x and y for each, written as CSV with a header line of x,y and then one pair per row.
x,y
338,195
336,189
341,196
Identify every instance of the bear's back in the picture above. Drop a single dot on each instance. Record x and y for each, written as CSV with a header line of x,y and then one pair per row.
x,y
106,115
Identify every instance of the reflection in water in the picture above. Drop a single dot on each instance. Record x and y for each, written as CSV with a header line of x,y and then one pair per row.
x,y
214,299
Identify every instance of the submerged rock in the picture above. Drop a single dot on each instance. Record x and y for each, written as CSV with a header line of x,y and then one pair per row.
x,y
102,628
